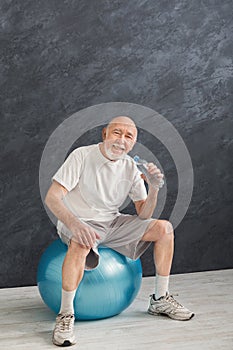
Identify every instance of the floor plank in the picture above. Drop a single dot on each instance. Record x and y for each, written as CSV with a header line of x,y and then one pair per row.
x,y
26,323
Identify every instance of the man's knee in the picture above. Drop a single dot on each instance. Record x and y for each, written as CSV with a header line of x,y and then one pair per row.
x,y
168,228
77,250
165,228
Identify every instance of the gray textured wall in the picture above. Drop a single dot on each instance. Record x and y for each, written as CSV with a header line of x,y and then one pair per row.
x,y
58,57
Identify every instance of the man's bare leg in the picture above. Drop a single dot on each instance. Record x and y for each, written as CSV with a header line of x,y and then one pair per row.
x,y
161,233
72,274
161,303
73,266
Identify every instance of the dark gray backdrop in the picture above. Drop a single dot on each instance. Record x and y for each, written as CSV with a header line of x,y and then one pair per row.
x,y
58,57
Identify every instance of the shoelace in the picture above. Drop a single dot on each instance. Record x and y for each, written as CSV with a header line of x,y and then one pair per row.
x,y
173,301
65,322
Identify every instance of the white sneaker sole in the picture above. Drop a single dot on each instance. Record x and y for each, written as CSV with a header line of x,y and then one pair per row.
x,y
174,317
65,342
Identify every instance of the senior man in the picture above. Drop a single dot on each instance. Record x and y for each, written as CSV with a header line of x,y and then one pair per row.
x,y
86,194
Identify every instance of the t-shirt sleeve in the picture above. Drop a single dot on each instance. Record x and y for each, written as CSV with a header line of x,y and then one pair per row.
x,y
138,190
69,173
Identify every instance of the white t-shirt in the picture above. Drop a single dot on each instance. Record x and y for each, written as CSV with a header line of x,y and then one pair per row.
x,y
97,187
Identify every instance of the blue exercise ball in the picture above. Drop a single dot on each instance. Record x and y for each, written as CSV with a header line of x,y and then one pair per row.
x,y
103,292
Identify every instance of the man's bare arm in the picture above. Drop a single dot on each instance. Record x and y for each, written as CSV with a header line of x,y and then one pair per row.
x,y
54,201
145,208
82,234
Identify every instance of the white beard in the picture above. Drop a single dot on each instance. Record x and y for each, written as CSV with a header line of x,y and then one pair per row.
x,y
108,148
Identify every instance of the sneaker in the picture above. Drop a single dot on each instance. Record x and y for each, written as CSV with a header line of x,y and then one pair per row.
x,y
63,334
167,305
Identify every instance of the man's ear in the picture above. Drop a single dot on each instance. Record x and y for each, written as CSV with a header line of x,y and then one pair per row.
x,y
104,133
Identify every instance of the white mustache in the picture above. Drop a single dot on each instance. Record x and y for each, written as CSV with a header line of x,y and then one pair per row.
x,y
119,146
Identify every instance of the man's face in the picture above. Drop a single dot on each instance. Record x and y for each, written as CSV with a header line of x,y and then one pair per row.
x,y
119,139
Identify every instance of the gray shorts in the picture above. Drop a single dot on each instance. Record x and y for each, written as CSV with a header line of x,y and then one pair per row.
x,y
122,234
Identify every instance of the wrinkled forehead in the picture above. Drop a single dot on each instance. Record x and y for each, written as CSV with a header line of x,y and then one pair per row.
x,y
125,127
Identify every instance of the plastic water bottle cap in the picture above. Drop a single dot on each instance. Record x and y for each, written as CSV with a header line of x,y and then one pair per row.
x,y
136,159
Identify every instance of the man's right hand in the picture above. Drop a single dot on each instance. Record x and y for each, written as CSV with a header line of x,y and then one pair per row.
x,y
84,234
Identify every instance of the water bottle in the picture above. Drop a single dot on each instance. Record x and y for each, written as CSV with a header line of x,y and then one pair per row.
x,y
152,178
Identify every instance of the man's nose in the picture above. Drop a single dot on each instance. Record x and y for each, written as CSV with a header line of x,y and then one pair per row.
x,y
122,138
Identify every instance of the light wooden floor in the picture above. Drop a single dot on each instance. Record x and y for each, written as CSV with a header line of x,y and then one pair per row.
x,y
26,323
